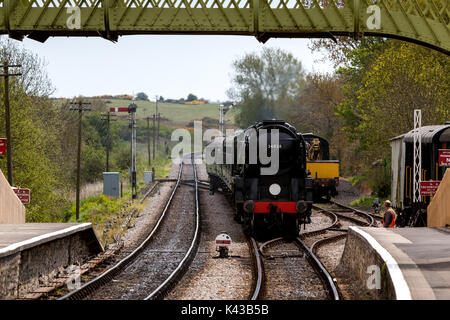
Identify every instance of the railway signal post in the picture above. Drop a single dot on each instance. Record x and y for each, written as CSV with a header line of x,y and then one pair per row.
x,y
132,116
79,106
6,75
107,117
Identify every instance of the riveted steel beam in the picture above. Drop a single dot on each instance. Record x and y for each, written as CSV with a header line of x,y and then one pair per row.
x,y
426,22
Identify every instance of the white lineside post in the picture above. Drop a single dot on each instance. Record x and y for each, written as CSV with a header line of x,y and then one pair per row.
x,y
417,155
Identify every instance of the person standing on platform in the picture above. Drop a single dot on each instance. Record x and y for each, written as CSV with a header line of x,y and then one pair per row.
x,y
389,216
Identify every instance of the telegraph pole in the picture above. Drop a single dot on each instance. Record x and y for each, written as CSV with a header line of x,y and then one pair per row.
x,y
157,115
6,75
107,117
80,107
132,111
221,121
157,137
148,142
154,135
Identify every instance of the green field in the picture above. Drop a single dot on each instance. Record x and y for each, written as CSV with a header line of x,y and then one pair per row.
x,y
178,113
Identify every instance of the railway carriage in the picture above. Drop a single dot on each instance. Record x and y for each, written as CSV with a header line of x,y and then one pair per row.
x,y
264,203
402,156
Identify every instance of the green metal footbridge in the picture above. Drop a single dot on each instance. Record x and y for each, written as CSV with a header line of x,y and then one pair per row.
x,y
426,22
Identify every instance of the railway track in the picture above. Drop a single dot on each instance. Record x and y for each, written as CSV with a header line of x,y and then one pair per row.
x,y
317,238
291,258
350,214
335,231
359,212
331,233
120,279
258,272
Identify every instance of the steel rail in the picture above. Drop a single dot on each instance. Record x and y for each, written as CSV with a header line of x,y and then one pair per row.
x,y
357,221
271,242
148,192
97,282
334,222
176,275
356,210
258,269
314,261
320,242
304,235
320,269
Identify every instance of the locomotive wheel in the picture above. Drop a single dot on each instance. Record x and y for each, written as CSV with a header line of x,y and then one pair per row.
x,y
290,226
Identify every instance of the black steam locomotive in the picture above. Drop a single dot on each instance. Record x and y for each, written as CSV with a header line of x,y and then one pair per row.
x,y
264,202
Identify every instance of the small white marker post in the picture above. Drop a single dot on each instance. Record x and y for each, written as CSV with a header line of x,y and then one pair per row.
x,y
223,242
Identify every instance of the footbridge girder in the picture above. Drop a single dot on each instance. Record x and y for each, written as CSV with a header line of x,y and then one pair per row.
x,y
421,21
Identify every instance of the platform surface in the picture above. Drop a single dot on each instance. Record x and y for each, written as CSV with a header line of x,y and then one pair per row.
x,y
423,255
17,237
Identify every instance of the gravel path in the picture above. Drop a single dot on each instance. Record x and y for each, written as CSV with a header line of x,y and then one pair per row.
x,y
210,278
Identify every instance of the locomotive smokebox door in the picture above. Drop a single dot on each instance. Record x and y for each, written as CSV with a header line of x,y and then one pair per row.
x,y
223,243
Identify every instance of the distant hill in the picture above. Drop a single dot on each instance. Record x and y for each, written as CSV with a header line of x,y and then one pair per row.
x,y
179,113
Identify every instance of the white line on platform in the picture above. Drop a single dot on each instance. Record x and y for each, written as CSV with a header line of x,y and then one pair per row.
x,y
401,288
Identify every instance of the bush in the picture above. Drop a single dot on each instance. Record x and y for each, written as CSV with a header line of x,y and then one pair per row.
x,y
380,179
95,209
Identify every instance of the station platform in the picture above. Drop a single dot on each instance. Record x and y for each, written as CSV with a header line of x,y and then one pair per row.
x,y
31,253
415,262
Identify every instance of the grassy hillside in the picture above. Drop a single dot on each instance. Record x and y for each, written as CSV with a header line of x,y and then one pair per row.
x,y
178,113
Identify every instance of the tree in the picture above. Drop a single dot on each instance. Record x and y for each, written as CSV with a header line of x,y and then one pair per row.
x,y
35,136
191,97
351,58
382,82
403,78
141,96
265,84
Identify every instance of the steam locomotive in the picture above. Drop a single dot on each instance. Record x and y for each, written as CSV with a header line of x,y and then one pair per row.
x,y
265,203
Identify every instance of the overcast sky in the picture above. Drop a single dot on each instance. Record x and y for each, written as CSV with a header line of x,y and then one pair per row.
x,y
172,66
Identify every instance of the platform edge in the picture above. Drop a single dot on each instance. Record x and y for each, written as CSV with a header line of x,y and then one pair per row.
x,y
402,291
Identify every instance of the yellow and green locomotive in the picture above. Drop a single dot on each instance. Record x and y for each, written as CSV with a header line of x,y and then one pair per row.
x,y
325,172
